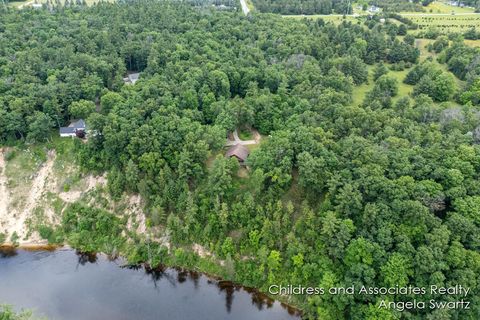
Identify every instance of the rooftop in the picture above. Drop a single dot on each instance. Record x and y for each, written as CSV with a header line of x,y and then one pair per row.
x,y
238,151
79,124
131,78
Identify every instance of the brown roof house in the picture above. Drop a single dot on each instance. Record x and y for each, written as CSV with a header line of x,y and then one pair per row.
x,y
238,151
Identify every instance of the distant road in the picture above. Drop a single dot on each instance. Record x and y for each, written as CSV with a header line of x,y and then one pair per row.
x,y
26,4
244,7
438,14
359,15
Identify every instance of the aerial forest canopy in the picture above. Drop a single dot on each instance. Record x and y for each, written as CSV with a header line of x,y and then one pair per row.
x,y
383,192
304,6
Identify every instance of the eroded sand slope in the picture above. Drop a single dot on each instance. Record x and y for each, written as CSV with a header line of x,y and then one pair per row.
x,y
17,219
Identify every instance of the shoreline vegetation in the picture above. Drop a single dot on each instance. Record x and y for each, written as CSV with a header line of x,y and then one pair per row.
x,y
7,312
209,272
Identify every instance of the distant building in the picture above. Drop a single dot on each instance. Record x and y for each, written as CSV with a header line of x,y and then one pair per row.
x,y
373,9
223,7
131,78
75,129
37,5
238,151
456,4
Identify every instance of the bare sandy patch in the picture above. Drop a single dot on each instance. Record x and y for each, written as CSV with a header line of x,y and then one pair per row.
x,y
91,182
14,220
137,221
201,251
4,194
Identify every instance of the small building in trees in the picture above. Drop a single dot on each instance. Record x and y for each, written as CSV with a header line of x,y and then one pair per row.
x,y
238,151
131,78
75,129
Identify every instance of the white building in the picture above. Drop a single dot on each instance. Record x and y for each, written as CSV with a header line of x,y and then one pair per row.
x,y
131,78
75,129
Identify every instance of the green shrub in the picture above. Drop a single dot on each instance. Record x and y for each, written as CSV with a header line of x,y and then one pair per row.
x,y
10,154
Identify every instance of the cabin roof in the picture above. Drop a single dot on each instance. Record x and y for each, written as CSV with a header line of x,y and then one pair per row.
x,y
238,151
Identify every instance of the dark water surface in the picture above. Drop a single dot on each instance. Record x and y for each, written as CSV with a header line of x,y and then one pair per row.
x,y
62,284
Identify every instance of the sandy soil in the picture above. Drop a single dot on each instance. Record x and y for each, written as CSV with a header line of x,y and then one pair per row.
x,y
4,194
134,208
44,181
14,220
91,183
201,251
137,221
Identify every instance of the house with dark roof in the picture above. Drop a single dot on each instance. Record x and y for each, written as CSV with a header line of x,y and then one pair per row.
x,y
75,129
238,151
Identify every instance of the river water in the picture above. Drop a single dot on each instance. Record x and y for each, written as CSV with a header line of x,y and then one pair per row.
x,y
62,284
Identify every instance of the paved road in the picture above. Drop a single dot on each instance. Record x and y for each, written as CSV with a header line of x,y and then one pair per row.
x,y
244,7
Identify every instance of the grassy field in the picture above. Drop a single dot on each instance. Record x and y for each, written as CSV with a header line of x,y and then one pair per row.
x,y
359,92
422,44
449,23
336,19
441,7
16,4
472,43
462,20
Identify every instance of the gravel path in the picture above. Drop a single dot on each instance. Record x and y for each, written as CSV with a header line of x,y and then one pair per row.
x,y
236,139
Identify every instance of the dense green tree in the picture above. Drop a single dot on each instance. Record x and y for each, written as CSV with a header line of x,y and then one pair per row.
x,y
81,109
385,88
304,7
39,125
379,71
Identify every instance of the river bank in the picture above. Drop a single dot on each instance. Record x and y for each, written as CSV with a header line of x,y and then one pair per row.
x,y
117,272
96,287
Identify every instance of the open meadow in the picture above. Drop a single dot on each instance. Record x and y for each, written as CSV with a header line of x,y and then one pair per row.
x,y
446,23
440,7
